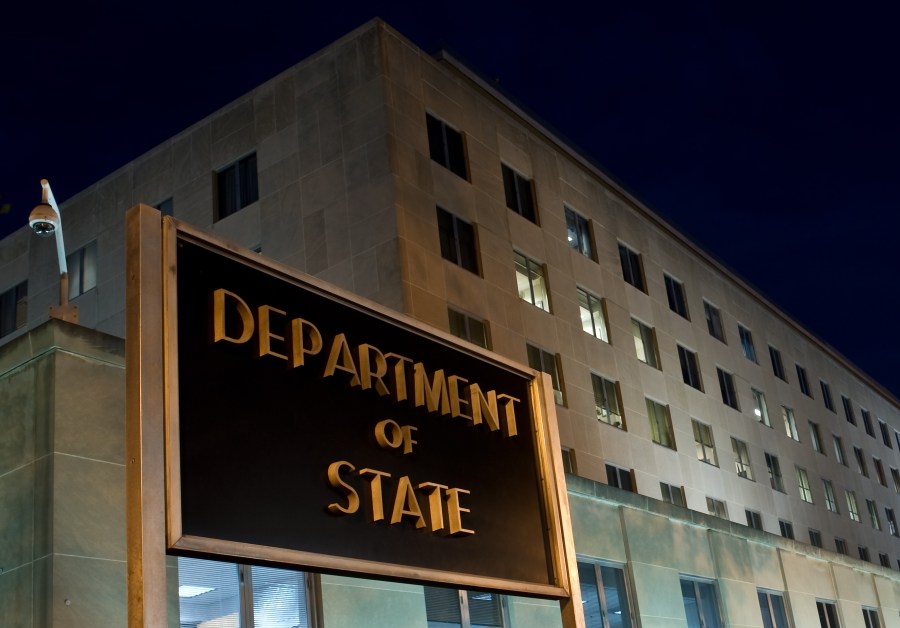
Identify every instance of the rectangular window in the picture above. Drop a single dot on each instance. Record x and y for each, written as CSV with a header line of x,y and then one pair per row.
x,y
885,434
458,244
760,409
717,508
892,521
884,560
852,507
541,360
771,606
870,617
606,401
873,514
632,268
830,500
468,328
867,422
578,233
519,192
827,614
839,449
446,146
815,437
672,494
895,477
863,552
675,294
754,519
840,546
786,528
236,186
747,346
714,321
815,538
660,424
726,386
803,485
790,426
804,383
848,410
453,608
645,343
619,477
777,364
700,603
879,471
703,438
826,395
861,466
82,266
690,369
593,320
741,459
568,461
774,468
604,595
530,282
13,308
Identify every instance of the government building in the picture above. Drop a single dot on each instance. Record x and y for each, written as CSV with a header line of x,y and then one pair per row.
x,y
724,466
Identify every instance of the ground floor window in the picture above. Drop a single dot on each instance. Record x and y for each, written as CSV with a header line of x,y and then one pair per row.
x,y
771,606
827,614
452,608
604,595
700,604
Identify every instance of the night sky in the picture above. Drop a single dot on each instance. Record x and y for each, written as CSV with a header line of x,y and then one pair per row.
x,y
767,132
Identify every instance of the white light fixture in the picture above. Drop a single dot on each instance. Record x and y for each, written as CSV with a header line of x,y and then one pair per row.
x,y
46,221
188,590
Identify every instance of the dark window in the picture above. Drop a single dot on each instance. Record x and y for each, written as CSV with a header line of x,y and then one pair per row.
x,y
632,269
568,461
672,494
754,519
777,365
675,294
870,617
619,477
771,606
863,552
237,186
714,321
82,266
519,193
827,613
457,241
726,385
884,560
804,383
541,360
462,609
879,471
826,395
892,521
578,233
604,595
717,508
815,438
840,546
861,462
747,346
885,434
468,328
13,308
867,422
815,538
700,604
786,528
839,449
690,369
848,410
774,468
446,146
660,424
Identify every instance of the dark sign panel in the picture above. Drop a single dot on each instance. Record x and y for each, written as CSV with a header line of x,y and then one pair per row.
x,y
311,430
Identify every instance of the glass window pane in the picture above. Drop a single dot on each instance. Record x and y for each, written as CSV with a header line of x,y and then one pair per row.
x,y
442,608
484,609
590,597
279,598
615,593
208,593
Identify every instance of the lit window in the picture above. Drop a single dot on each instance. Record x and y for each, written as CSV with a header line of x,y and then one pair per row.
x,y
774,468
839,449
703,438
754,519
717,508
645,343
790,426
530,282
826,395
827,613
462,609
747,347
726,387
675,294
861,465
771,605
82,266
804,383
519,193
852,508
690,369
760,409
606,401
848,410
660,424
867,422
593,320
604,595
777,364
700,603
830,500
619,477
468,328
672,494
541,360
741,459
870,615
803,485
457,238
13,308
632,268
815,438
714,321
446,146
236,186
786,528
815,538
578,233
873,514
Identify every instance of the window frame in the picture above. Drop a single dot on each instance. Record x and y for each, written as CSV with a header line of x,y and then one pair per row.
x,y
852,505
13,308
848,409
599,585
690,368
581,228
728,389
815,437
742,464
754,519
660,426
463,605
244,186
646,336
632,267
624,478
668,490
717,508
714,324
786,528
467,323
559,395
803,485
535,273
82,265
676,296
515,186
595,307
605,413
826,395
705,443
773,466
790,423
760,407
705,599
802,381
777,363
458,240
442,146
831,502
748,349
776,619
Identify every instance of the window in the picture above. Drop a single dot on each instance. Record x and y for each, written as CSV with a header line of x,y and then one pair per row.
x,y
604,595
804,383
530,282
578,233
884,560
716,507
885,435
852,508
452,608
870,616
236,186
839,449
468,328
754,519
457,240
446,146
677,300
568,461
790,426
895,477
541,360
827,614
826,395
771,606
747,347
786,528
803,485
777,365
848,410
879,471
861,462
632,269
873,514
815,538
830,501
593,320
619,477
867,422
840,546
690,370
660,424
714,321
815,438
215,593
703,438
741,459
606,401
672,494
892,521
166,207
645,343
13,308
700,604
863,552
760,409
519,193
774,468
726,386
82,266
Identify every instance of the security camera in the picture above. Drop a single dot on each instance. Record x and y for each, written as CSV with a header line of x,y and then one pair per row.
x,y
43,220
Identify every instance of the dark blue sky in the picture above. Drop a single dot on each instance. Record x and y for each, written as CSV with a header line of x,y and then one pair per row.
x,y
767,133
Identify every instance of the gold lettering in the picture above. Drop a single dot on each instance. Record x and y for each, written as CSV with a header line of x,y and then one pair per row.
x,y
435,508
375,492
265,332
398,376
341,351
455,400
484,407
454,511
385,441
510,414
406,504
219,317
432,395
366,374
334,478
298,347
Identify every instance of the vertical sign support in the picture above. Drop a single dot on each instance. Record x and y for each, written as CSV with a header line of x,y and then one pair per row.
x,y
144,433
